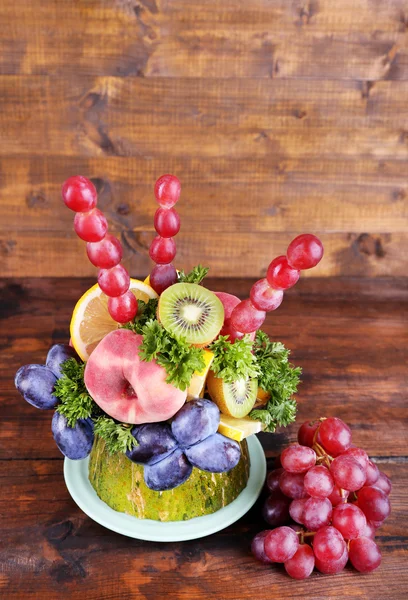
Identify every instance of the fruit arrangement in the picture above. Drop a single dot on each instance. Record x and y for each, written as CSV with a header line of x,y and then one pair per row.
x,y
167,373
326,502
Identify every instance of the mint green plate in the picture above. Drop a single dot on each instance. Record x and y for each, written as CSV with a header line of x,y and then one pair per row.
x,y
76,479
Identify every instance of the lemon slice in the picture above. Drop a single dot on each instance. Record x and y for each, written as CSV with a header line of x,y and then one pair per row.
x,y
91,320
238,429
196,387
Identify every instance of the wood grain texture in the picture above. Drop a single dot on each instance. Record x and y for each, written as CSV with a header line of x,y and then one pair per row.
x,y
205,118
247,195
362,39
246,254
350,337
278,117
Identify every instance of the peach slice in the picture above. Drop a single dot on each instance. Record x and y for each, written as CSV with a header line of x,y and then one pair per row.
x,y
127,388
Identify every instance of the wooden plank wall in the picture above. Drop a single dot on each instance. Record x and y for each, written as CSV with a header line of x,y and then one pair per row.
x,y
278,116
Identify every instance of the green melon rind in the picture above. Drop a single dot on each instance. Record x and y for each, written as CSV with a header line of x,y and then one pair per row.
x,y
120,484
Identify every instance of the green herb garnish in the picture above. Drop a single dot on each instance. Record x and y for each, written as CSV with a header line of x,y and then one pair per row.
x,y
118,436
179,359
196,275
233,361
75,402
279,378
146,311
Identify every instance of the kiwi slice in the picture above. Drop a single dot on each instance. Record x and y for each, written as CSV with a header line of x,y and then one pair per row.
x,y
192,312
235,399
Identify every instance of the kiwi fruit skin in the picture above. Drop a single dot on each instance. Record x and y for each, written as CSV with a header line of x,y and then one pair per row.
x,y
200,339
218,391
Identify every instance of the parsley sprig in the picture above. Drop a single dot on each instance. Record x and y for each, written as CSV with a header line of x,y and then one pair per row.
x,y
233,361
278,377
75,401
118,436
196,275
146,311
179,359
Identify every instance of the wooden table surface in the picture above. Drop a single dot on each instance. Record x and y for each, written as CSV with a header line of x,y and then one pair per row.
x,y
350,338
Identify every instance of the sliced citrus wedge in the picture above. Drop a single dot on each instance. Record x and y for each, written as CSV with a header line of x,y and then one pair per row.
x,y
238,429
196,387
91,320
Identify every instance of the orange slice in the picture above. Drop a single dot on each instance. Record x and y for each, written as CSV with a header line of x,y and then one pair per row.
x,y
91,320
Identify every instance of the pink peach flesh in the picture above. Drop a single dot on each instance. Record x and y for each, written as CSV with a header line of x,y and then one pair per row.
x,y
125,387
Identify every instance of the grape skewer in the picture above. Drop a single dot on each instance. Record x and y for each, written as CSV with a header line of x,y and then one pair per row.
x,y
167,224
304,252
103,249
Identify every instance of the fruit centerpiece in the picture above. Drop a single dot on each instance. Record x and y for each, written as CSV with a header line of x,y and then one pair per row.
x,y
163,379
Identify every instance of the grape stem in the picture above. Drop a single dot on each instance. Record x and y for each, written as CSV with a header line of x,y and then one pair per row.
x,y
343,494
302,534
322,457
316,433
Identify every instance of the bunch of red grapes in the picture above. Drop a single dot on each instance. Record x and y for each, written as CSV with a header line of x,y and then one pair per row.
x,y
167,224
336,497
304,252
103,249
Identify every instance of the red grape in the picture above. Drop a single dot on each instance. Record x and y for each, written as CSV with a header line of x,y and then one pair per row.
x,y
383,483
167,190
369,530
166,222
306,433
232,333
272,480
115,281
376,524
105,254
349,520
276,509
374,503
291,484
301,565
331,567
281,275
317,513
162,250
298,459
281,544
246,318
338,495
296,509
123,308
258,547
264,297
162,277
79,194
359,455
91,226
304,252
347,473
364,554
334,435
319,482
328,544
372,473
